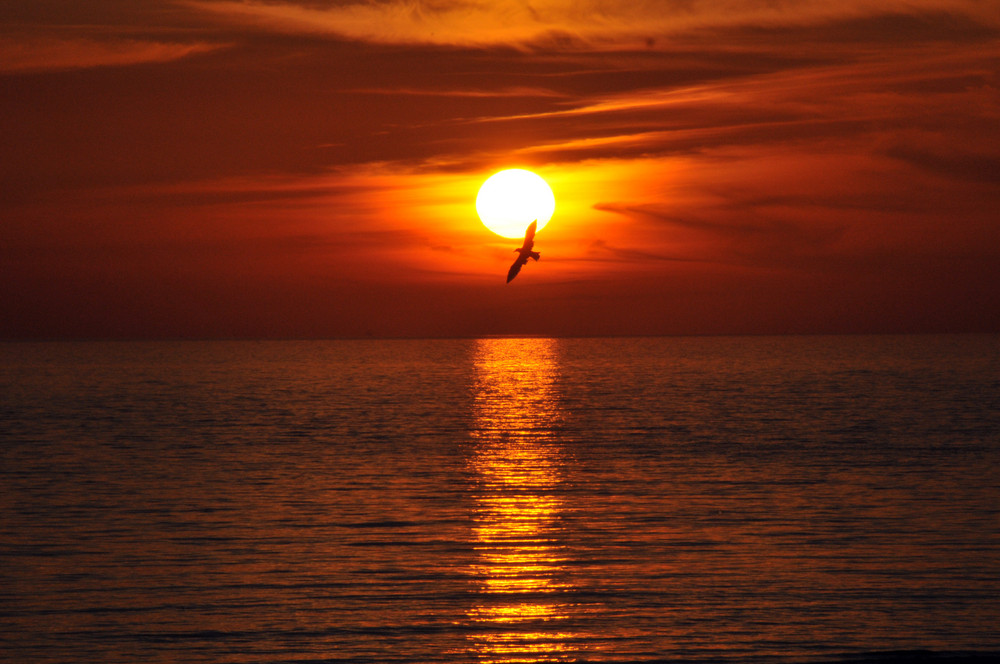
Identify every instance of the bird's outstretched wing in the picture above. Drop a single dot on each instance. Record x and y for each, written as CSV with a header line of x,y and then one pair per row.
x,y
529,235
524,252
515,268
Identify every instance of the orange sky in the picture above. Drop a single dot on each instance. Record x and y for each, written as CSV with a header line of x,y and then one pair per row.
x,y
226,168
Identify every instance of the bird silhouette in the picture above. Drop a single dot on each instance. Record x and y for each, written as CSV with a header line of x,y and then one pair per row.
x,y
525,252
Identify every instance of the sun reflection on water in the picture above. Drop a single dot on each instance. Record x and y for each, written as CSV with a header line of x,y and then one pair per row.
x,y
521,563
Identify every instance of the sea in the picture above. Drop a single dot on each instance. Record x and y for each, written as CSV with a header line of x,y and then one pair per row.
x,y
680,499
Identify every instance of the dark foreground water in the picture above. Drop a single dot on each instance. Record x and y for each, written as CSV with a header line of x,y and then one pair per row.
x,y
499,500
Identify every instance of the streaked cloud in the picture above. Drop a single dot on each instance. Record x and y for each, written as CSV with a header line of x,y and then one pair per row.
x,y
516,22
48,53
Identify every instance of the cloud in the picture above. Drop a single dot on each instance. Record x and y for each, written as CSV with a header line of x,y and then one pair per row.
x,y
391,22
41,53
748,224
601,250
975,167
573,23
485,93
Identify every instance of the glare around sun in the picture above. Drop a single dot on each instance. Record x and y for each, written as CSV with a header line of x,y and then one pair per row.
x,y
510,200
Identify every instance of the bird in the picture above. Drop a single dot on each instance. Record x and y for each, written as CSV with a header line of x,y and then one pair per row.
x,y
525,252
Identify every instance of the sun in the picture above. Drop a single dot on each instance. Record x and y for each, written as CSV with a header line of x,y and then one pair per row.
x,y
510,200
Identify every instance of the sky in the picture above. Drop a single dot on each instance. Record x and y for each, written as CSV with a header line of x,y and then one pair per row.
x,y
308,168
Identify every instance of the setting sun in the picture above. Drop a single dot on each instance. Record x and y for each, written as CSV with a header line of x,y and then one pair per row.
x,y
510,200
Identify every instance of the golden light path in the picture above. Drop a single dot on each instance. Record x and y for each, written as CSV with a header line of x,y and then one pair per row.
x,y
521,566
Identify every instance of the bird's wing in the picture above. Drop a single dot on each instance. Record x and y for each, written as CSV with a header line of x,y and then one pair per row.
x,y
515,268
522,258
529,235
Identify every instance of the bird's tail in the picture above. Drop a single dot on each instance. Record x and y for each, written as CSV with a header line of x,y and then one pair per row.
x,y
535,255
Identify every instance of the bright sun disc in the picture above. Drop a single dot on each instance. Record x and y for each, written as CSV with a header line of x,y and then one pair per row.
x,y
510,200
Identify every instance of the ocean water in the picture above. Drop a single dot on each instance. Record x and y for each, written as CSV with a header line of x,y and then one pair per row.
x,y
501,500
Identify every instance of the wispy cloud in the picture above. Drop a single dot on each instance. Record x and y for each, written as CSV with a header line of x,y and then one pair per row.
x,y
48,53
514,22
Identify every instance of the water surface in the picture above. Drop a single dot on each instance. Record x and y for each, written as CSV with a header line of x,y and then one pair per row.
x,y
500,500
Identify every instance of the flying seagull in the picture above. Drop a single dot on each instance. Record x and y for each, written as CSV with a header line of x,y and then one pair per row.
x,y
524,252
